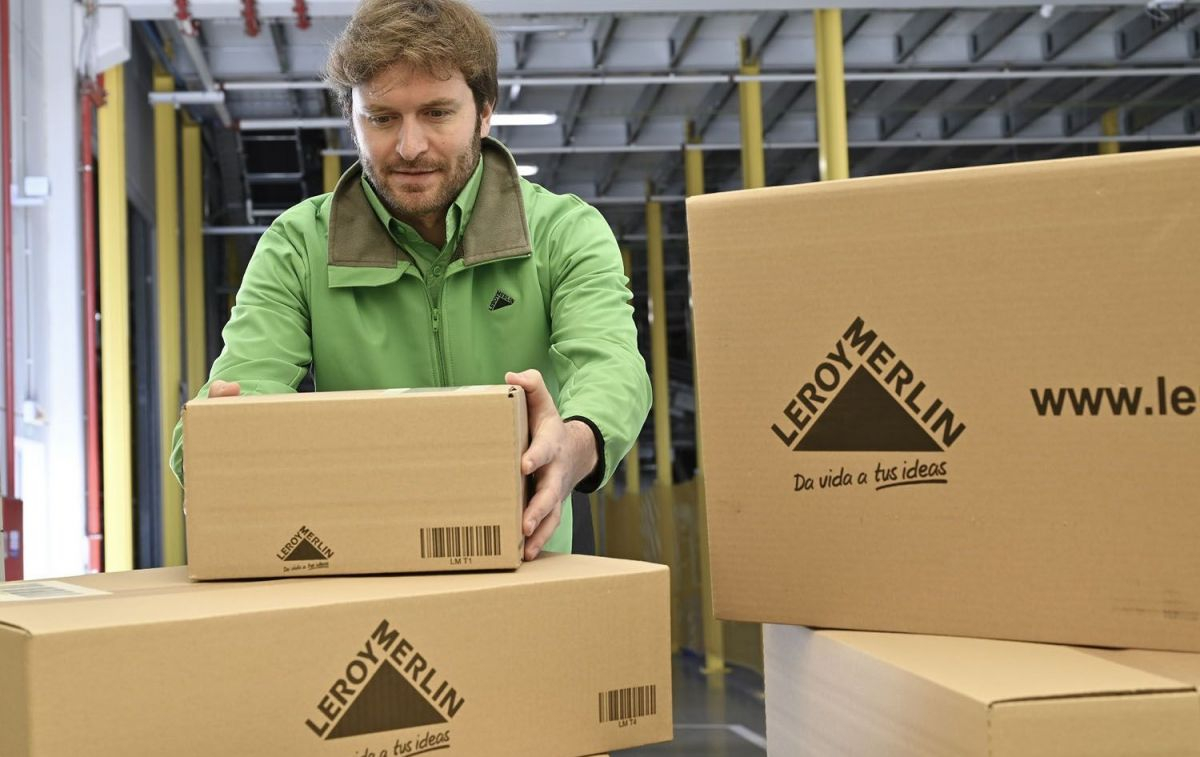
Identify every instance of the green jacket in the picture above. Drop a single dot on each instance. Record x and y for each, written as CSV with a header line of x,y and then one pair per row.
x,y
535,281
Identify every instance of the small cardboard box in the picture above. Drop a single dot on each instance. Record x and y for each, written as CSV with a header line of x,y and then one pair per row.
x,y
570,655
325,483
960,402
907,695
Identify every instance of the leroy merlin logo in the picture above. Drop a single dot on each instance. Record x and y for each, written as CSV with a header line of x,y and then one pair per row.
x,y
386,686
864,398
304,545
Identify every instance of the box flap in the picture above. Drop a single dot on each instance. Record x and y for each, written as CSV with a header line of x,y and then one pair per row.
x,y
1179,666
425,393
1147,725
165,594
991,671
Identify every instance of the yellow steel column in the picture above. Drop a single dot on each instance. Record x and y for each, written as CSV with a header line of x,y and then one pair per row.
x,y
1110,127
663,492
831,95
117,451
193,256
754,172
331,165
170,351
714,636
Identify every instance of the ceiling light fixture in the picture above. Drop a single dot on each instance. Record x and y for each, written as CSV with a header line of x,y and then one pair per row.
x,y
524,170
524,119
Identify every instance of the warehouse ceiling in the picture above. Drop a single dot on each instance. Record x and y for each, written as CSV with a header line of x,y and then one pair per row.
x,y
927,88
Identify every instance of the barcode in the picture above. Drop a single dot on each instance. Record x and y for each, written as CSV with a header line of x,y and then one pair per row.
x,y
625,704
460,541
26,590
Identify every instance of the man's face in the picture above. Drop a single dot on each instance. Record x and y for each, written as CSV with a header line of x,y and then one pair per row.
x,y
418,138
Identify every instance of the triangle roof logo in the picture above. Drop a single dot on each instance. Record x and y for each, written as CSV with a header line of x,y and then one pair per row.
x,y
864,398
304,546
388,685
388,702
864,417
305,550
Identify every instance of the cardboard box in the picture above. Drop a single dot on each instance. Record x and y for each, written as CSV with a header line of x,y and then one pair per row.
x,y
902,695
389,481
889,372
570,655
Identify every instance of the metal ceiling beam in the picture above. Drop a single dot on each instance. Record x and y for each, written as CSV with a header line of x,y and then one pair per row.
x,y
720,147
642,108
521,43
757,39
761,33
993,30
875,77
681,36
907,105
200,63
606,28
852,21
1113,95
780,102
916,30
285,9
974,104
1068,30
1152,107
1040,103
1145,28
710,105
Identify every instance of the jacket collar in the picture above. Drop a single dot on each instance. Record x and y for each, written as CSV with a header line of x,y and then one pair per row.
x,y
498,227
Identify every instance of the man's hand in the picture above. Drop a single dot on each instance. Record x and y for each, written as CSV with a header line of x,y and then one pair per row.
x,y
560,455
221,388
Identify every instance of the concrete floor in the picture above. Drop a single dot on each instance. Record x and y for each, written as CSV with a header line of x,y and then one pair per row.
x,y
712,722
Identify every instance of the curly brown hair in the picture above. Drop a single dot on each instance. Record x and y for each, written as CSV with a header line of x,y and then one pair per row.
x,y
435,36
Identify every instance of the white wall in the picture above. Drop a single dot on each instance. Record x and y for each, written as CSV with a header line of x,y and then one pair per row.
x,y
48,293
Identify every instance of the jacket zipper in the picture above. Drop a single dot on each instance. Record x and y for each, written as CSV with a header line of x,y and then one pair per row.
x,y
439,361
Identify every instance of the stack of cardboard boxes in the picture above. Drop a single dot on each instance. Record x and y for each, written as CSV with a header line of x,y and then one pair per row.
x,y
960,403
563,656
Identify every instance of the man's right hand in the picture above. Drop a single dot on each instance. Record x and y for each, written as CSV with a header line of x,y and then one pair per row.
x,y
220,388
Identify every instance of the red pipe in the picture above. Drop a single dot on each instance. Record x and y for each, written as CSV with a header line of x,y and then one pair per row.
x,y
12,505
250,13
90,96
303,20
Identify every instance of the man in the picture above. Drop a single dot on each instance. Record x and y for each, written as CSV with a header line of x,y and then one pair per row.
x,y
434,264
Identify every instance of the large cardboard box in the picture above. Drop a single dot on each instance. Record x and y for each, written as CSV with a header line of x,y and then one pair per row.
x,y
834,693
568,656
388,481
960,402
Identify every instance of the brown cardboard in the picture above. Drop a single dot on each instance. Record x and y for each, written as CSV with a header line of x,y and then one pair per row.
x,y
906,695
504,663
389,481
966,289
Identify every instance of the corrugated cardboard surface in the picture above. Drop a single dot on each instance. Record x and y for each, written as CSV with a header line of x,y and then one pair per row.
x,y
902,695
389,481
918,315
501,663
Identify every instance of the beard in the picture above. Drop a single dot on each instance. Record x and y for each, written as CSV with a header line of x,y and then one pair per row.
x,y
406,205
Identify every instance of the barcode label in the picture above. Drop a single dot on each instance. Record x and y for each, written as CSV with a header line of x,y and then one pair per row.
x,y
626,704
20,591
460,541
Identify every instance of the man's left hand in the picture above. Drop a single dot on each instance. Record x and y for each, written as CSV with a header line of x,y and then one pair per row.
x,y
560,455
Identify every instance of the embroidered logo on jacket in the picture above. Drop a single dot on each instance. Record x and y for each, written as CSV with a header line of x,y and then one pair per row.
x,y
500,300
